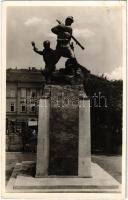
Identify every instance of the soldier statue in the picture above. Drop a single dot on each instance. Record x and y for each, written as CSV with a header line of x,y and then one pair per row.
x,y
64,48
48,57
64,33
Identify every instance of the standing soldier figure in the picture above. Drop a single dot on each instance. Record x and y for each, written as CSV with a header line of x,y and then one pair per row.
x,y
64,33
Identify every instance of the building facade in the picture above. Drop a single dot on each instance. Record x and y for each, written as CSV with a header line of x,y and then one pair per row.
x,y
24,88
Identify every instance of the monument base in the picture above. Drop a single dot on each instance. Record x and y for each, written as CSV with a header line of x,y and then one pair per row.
x,y
23,180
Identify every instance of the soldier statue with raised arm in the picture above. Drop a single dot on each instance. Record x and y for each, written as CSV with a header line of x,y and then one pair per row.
x,y
48,57
64,48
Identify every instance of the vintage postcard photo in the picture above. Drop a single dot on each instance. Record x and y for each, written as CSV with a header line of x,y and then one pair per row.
x,y
63,96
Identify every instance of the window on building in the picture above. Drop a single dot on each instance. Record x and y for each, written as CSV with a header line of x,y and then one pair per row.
x,y
23,92
12,107
33,93
33,109
6,125
12,93
12,126
23,108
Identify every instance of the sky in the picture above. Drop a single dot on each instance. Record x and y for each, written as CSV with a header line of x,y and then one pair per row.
x,y
98,29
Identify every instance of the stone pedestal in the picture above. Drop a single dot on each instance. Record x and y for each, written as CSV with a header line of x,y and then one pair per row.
x,y
64,132
84,153
43,138
23,181
64,129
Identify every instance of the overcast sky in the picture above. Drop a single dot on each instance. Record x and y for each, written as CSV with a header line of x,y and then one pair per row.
x,y
98,29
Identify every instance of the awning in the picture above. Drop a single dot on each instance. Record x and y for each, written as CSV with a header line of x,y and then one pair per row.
x,y
32,123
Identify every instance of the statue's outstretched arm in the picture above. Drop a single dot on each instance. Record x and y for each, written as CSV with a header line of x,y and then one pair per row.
x,y
35,49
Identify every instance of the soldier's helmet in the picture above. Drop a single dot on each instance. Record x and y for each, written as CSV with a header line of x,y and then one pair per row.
x,y
70,18
46,44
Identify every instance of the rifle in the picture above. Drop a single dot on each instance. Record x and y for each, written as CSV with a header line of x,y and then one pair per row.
x,y
59,22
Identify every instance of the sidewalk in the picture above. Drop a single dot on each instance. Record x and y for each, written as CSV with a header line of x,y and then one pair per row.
x,y
112,164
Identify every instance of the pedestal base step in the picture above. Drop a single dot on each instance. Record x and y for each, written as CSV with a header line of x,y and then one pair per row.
x,y
23,181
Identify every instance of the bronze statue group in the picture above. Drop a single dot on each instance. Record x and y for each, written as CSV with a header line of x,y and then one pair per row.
x,y
64,48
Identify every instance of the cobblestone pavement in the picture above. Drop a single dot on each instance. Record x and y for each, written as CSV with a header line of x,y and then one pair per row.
x,y
112,164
